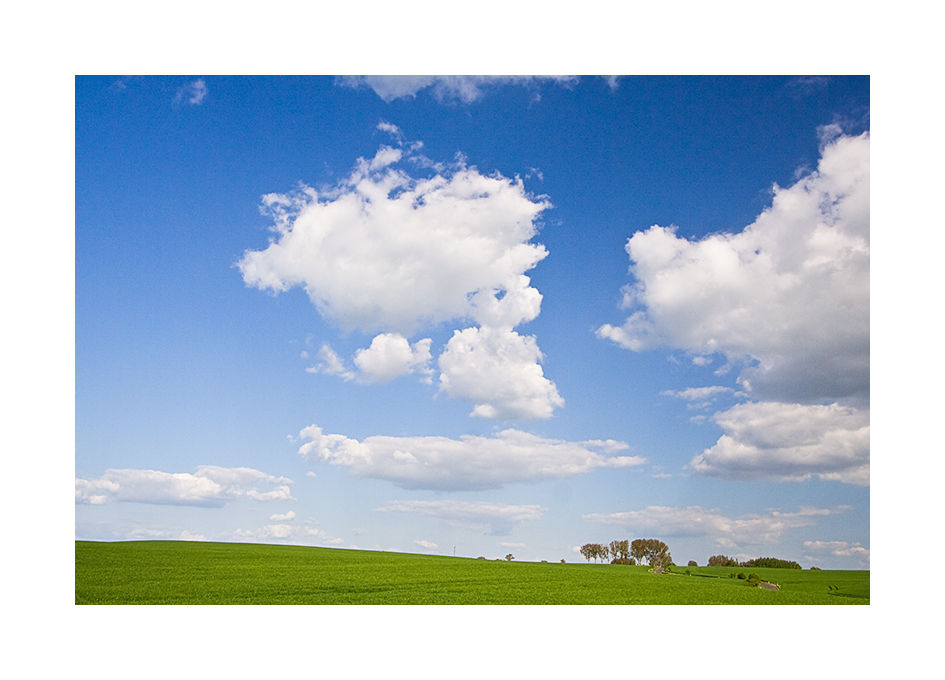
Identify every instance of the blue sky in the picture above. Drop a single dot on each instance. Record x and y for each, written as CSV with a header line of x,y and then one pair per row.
x,y
506,315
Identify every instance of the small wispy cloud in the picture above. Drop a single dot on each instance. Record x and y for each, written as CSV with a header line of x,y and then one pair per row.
x,y
192,93
466,89
499,518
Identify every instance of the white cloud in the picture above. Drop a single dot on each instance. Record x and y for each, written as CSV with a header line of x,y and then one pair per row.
x,y
385,251
789,442
391,356
727,532
281,532
151,533
701,397
789,295
290,515
445,88
389,252
471,462
276,531
193,92
429,545
210,486
498,370
499,518
331,364
700,393
839,549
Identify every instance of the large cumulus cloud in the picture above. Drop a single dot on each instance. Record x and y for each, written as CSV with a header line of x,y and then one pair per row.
x,y
787,299
386,252
789,295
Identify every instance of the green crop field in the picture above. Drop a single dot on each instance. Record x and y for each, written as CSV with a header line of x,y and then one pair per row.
x,y
172,572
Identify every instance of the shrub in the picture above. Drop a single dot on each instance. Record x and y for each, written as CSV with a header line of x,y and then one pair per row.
x,y
480,558
815,568
741,575
692,563
562,561
621,560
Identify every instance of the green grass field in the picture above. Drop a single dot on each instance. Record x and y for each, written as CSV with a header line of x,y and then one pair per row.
x,y
180,572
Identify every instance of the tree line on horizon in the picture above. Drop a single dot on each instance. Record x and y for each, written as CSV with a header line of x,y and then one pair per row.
x,y
766,562
656,554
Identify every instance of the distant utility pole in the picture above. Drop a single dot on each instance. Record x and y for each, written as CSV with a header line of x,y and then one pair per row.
x,y
454,551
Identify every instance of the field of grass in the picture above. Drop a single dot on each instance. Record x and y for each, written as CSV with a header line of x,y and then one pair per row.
x,y
180,572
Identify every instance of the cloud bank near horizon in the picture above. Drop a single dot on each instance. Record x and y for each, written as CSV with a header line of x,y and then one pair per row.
x,y
727,532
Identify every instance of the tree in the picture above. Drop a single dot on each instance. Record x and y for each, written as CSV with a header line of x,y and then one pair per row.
x,y
603,552
509,557
655,552
722,561
620,549
594,551
638,550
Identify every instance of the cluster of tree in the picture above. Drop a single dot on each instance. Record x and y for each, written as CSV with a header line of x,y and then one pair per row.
x,y
654,552
771,563
767,562
595,551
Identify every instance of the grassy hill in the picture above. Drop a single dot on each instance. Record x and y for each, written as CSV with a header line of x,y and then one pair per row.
x,y
180,572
